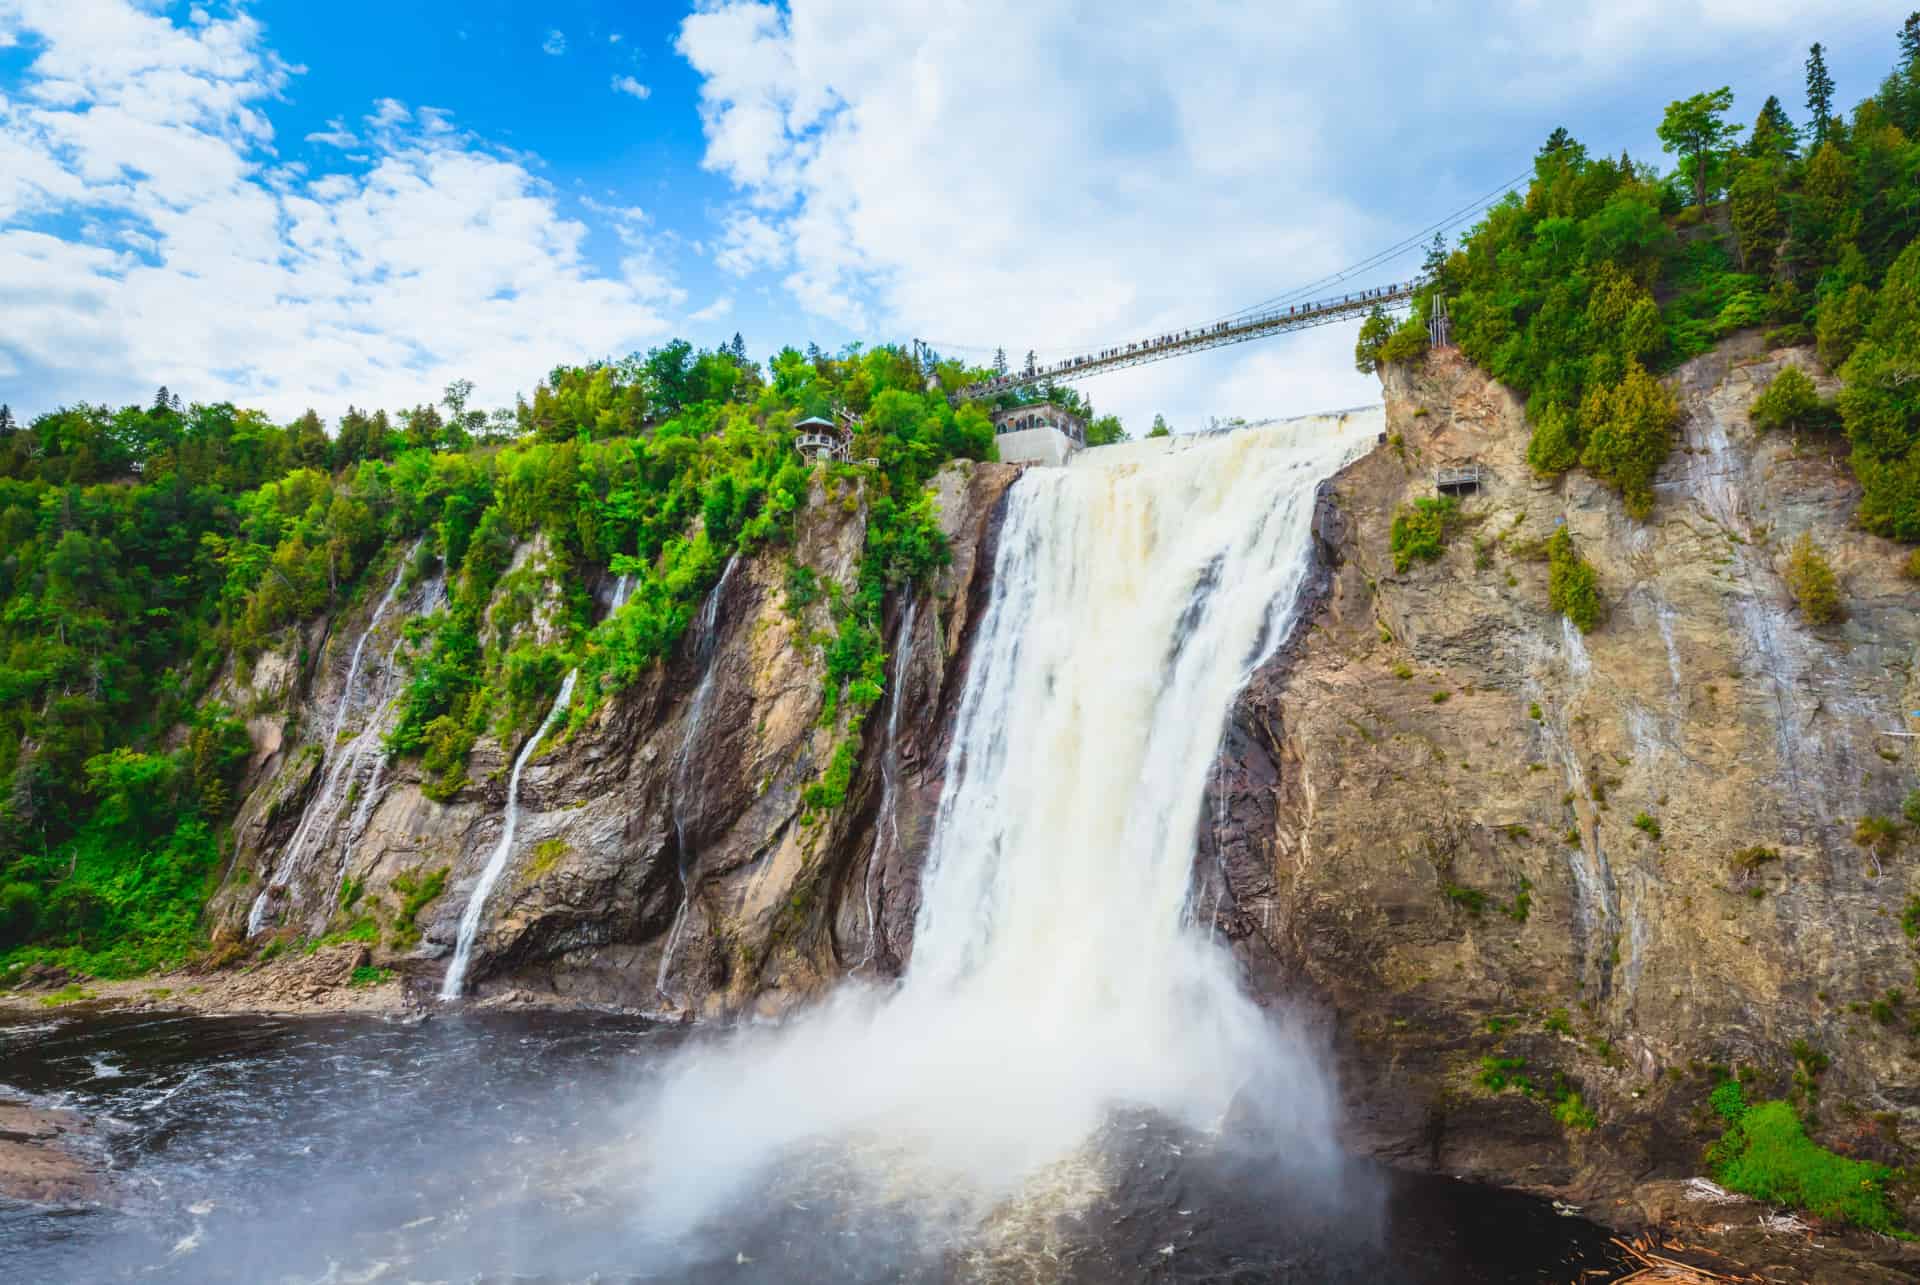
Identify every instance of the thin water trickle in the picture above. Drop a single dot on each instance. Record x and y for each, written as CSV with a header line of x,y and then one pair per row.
x,y
886,826
338,762
455,980
703,641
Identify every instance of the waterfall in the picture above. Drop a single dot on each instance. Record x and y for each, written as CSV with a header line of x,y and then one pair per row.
x,y
1056,974
886,825
703,639
497,863
338,762
451,986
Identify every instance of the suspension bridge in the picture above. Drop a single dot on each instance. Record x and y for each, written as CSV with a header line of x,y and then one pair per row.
x,y
1178,343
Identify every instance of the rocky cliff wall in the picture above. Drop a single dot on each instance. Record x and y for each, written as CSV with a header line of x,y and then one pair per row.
x,y
1466,831
663,859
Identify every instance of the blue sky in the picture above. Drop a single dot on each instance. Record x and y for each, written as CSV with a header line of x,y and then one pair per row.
x,y
291,204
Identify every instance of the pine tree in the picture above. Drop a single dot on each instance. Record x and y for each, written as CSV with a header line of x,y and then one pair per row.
x,y
1558,141
6,418
1032,362
1910,38
1436,261
1774,134
1819,96
738,349
162,400
999,361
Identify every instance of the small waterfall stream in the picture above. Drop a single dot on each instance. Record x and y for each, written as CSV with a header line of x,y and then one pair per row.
x,y
338,762
703,641
886,824
452,986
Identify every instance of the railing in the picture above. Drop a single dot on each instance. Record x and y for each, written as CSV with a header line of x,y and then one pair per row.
x,y
1177,343
814,445
1457,477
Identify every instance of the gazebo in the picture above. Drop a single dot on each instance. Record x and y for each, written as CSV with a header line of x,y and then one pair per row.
x,y
819,439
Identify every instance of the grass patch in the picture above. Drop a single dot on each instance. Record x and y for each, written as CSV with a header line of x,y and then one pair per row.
x,y
1766,1153
1648,825
416,893
368,975
72,993
1498,1074
1421,533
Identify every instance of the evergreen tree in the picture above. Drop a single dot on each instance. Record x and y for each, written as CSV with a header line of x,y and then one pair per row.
x,y
1819,96
999,361
1773,134
737,349
1160,428
1032,363
162,400
1558,141
1910,38
307,441
1436,261
6,418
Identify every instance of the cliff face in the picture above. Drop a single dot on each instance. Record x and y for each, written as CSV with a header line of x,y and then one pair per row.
x,y
662,859
1447,821
1615,860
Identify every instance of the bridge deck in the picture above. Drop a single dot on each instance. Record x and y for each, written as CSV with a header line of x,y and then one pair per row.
x,y
1160,347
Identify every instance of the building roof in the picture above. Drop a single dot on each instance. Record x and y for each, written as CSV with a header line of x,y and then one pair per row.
x,y
814,421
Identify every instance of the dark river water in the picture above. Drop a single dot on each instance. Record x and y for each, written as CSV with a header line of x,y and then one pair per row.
x,y
503,1148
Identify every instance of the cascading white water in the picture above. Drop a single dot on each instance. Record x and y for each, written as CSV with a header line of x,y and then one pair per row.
x,y
886,823
338,762
450,987
704,627
1055,974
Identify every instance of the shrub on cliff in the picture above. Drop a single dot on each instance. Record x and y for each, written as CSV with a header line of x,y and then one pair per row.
x,y
1811,580
1765,1153
1408,342
1422,532
1628,429
1572,588
1790,402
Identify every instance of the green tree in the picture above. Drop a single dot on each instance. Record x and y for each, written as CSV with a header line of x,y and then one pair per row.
x,y
1790,401
1819,97
1374,333
1810,579
1628,431
1880,404
1696,130
1774,136
1105,431
1159,428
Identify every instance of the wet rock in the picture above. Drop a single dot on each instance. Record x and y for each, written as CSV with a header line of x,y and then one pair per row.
x,y
1468,832
39,1159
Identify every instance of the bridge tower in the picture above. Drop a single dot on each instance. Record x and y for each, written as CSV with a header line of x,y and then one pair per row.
x,y
1439,325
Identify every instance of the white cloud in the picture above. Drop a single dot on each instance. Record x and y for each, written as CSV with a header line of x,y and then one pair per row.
x,y
749,243
615,38
1063,174
555,43
632,88
714,311
205,263
336,134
